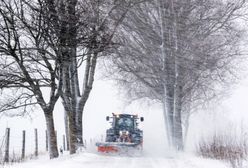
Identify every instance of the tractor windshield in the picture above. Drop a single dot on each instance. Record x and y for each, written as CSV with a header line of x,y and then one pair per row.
x,y
125,123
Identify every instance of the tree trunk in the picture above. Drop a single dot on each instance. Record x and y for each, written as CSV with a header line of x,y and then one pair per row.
x,y
80,129
72,133
186,128
67,132
178,87
87,87
67,102
70,125
165,54
74,83
167,122
52,141
170,110
178,130
75,96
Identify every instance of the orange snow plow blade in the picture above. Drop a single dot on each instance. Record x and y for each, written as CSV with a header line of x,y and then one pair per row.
x,y
113,147
107,149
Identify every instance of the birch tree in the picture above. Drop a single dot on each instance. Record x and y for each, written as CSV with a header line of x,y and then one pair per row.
x,y
178,52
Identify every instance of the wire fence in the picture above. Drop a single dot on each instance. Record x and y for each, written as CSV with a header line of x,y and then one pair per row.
x,y
18,147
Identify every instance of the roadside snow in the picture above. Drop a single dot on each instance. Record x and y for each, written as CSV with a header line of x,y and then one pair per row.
x,y
90,160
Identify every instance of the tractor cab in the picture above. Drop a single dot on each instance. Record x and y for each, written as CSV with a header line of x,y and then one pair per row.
x,y
127,123
124,121
124,128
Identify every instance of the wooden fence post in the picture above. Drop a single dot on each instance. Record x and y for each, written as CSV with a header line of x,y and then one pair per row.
x,y
6,155
23,143
36,142
46,141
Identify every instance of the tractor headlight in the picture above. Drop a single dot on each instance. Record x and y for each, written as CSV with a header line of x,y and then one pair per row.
x,y
120,132
127,132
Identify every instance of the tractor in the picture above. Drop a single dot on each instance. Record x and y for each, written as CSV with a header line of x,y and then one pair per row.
x,y
124,134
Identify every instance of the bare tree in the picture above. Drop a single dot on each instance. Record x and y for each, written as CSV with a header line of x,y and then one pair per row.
x,y
29,65
89,28
105,19
178,53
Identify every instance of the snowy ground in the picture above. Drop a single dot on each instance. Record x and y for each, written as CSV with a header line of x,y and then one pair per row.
x,y
92,160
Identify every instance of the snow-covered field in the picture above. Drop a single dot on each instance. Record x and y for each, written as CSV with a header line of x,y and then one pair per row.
x,y
92,160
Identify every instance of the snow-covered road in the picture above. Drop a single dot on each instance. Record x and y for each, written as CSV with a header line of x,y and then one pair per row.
x,y
90,160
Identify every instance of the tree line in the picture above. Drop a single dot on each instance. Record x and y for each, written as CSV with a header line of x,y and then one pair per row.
x,y
176,52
